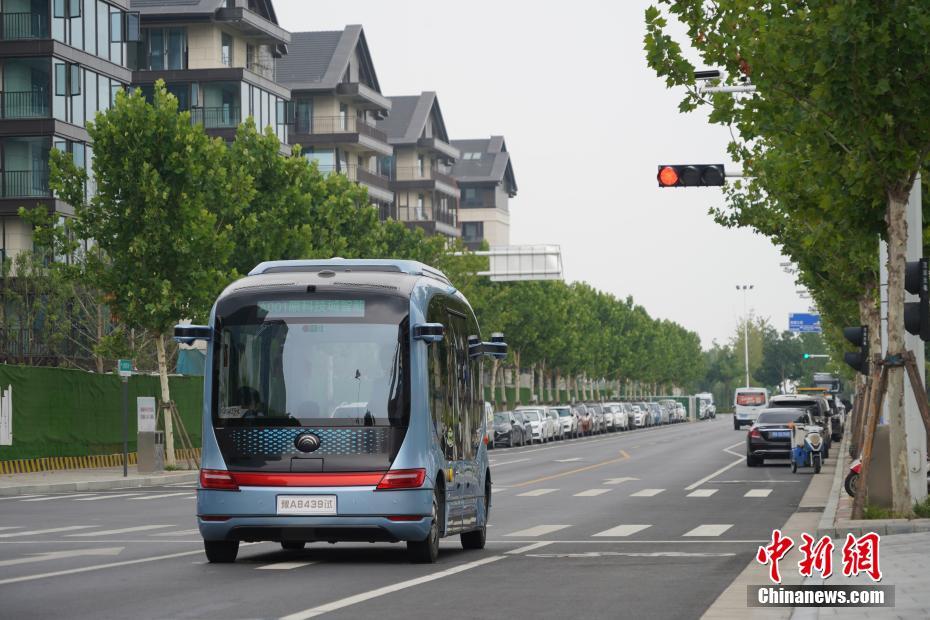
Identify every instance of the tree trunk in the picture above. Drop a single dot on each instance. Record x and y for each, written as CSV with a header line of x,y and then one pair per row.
x,y
494,363
98,359
897,247
516,378
165,399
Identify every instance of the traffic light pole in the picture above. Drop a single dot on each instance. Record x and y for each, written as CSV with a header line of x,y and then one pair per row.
x,y
913,422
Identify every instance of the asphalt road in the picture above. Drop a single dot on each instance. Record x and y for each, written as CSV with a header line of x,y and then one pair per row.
x,y
648,523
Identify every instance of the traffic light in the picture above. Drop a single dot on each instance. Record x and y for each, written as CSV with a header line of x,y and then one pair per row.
x,y
690,175
807,356
859,336
917,313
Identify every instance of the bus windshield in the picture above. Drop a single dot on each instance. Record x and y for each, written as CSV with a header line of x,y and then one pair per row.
x,y
339,361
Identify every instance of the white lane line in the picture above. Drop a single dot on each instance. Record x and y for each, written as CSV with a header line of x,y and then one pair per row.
x,y
695,485
647,493
58,555
19,497
366,596
709,529
702,493
618,480
758,493
509,462
525,549
625,541
88,569
52,530
178,533
536,492
592,492
284,565
134,499
729,449
572,460
654,554
124,530
98,497
45,499
623,530
539,530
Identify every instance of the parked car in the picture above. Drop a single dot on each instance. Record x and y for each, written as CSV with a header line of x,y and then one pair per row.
x,y
608,414
658,416
558,432
682,414
600,424
814,404
642,417
585,419
567,420
619,416
539,423
770,436
508,431
526,426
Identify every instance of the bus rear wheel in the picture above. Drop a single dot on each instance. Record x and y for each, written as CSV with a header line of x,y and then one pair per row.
x,y
427,551
477,538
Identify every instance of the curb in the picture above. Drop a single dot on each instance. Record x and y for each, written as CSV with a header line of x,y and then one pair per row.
x,y
98,485
826,527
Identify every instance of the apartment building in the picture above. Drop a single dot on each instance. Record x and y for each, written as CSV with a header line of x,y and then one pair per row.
x,y
425,193
484,173
337,102
218,57
60,62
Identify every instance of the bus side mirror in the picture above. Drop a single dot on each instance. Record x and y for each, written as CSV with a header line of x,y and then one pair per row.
x,y
429,332
187,334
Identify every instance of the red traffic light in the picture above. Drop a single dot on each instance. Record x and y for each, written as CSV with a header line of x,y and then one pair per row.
x,y
668,176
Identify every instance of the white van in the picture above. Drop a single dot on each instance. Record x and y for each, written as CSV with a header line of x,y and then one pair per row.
x,y
747,403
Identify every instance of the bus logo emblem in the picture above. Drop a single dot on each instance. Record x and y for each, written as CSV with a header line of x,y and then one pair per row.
x,y
306,442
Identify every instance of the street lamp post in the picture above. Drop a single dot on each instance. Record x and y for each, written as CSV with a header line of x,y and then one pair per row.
x,y
745,288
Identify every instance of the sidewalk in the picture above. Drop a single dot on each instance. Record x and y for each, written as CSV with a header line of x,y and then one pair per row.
x,y
86,480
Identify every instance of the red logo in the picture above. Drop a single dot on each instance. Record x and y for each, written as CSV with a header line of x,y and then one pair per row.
x,y
817,556
772,553
860,555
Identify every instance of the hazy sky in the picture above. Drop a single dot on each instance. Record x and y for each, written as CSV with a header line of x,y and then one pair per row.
x,y
586,123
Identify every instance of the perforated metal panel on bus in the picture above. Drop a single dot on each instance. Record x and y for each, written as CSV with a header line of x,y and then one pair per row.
x,y
248,442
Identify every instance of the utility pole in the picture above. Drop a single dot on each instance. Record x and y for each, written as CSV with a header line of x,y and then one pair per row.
x,y
745,288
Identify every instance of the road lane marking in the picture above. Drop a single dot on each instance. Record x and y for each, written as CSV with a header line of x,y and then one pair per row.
x,y
124,530
626,541
539,530
510,462
87,569
536,492
729,449
59,555
758,493
646,493
592,492
178,533
94,499
702,493
716,473
52,530
624,456
619,480
623,530
709,529
630,554
534,546
45,499
571,460
19,497
284,565
366,596
133,499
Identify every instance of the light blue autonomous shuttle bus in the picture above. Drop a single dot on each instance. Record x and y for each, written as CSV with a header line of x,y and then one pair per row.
x,y
343,402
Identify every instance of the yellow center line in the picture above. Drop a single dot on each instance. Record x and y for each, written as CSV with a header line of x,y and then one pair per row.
x,y
577,470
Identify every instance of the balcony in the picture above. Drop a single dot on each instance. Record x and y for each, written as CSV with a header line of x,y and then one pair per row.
x,y
225,117
414,178
379,186
330,125
19,26
428,214
24,184
256,66
24,104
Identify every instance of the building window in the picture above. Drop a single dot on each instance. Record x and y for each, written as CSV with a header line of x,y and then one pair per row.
x,y
226,50
343,117
419,212
165,48
472,231
419,165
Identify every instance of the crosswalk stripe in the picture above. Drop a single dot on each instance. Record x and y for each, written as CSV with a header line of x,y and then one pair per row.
x,y
98,497
702,493
623,530
647,493
536,492
592,492
284,565
45,499
52,530
758,493
539,530
133,499
178,533
709,529
123,530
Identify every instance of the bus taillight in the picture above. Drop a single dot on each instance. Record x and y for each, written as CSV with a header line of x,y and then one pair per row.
x,y
218,480
402,479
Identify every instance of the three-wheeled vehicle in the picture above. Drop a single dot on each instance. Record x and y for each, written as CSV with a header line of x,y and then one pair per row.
x,y
806,447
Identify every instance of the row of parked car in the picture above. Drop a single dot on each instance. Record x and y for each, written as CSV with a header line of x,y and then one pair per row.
x,y
543,423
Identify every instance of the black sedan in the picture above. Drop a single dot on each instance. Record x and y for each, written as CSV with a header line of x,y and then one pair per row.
x,y
770,436
508,431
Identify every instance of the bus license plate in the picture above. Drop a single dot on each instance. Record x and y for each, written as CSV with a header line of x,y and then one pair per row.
x,y
306,505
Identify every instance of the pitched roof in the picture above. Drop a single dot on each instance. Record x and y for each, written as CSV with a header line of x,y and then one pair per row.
x,y
493,165
319,59
408,117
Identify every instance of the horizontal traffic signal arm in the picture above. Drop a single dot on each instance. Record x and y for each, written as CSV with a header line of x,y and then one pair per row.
x,y
690,175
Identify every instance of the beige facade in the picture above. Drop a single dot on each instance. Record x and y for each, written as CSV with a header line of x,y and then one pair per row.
x,y
496,224
205,44
16,236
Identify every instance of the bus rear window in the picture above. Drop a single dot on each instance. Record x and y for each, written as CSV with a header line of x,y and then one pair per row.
x,y
750,399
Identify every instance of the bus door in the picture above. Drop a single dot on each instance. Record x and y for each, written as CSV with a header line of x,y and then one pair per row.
x,y
470,408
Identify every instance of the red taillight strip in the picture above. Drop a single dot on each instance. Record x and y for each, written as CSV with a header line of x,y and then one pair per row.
x,y
283,479
405,517
402,479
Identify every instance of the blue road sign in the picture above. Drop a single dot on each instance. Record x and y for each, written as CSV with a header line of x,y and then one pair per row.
x,y
804,323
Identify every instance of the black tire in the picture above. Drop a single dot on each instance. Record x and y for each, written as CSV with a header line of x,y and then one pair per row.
x,y
221,551
751,461
818,462
510,441
476,539
851,482
427,551
292,545
735,426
